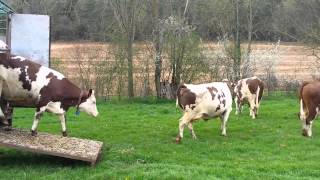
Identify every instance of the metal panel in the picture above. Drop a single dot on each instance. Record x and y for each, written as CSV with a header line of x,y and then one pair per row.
x,y
30,37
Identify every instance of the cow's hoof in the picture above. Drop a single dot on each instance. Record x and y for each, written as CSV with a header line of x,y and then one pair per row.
x,y
64,134
34,133
178,139
224,135
305,133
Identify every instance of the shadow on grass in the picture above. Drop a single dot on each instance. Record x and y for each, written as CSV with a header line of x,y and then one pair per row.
x,y
15,158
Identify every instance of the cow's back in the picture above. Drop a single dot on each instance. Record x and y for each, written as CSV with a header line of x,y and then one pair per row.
x,y
24,79
310,93
211,98
248,86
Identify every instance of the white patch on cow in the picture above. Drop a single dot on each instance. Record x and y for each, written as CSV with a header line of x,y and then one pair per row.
x,y
3,45
55,108
19,58
302,113
89,106
42,79
27,75
307,128
36,118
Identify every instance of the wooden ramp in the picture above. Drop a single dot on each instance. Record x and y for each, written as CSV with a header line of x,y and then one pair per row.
x,y
55,145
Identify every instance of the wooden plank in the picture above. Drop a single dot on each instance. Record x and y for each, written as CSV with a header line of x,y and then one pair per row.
x,y
55,145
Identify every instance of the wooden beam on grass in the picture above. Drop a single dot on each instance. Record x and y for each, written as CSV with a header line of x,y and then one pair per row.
x,y
54,145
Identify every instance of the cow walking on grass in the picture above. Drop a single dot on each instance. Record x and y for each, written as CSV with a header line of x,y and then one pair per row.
x,y
309,96
24,83
203,101
250,90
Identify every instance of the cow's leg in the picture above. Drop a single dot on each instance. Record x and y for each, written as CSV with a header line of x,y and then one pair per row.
x,y
182,123
62,118
237,105
252,107
224,119
1,86
4,108
37,117
190,126
8,112
55,107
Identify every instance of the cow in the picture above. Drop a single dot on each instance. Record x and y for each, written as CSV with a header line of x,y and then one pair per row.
x,y
24,83
203,101
309,97
248,90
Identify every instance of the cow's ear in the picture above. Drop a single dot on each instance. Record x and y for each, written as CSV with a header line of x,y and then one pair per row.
x,y
90,92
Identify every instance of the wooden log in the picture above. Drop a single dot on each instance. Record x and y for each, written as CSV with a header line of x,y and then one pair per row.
x,y
55,145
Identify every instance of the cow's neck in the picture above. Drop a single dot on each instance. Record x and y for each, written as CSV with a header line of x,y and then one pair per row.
x,y
74,97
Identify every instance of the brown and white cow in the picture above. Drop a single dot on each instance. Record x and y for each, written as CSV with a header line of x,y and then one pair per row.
x,y
203,101
24,83
309,96
250,90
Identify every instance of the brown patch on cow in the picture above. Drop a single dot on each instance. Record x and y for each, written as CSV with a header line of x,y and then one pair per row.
x,y
253,85
186,97
50,75
224,102
62,91
212,91
28,69
205,116
218,108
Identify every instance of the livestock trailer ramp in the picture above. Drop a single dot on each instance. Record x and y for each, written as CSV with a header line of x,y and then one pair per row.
x,y
49,144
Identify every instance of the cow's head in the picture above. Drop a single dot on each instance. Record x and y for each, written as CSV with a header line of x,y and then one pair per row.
x,y
306,125
89,105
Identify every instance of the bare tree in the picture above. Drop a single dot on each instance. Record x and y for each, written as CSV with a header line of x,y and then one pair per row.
x,y
127,13
157,44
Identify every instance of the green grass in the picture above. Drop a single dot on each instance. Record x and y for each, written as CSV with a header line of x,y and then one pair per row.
x,y
139,144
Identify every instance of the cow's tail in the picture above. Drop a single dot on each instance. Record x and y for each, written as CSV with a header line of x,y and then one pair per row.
x,y
302,103
301,88
257,95
177,102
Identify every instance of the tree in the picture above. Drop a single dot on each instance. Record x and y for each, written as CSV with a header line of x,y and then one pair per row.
x,y
126,14
157,42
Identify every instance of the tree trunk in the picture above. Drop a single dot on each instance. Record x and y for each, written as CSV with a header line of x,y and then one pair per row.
x,y
237,48
131,33
130,69
157,46
250,28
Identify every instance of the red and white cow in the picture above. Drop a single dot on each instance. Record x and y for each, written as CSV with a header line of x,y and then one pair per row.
x,y
24,83
250,90
203,101
309,96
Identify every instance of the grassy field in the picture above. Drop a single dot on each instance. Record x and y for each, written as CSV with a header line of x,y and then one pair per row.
x,y
139,144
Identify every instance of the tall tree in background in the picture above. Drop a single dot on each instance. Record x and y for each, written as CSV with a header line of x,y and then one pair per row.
x,y
126,14
237,43
157,37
